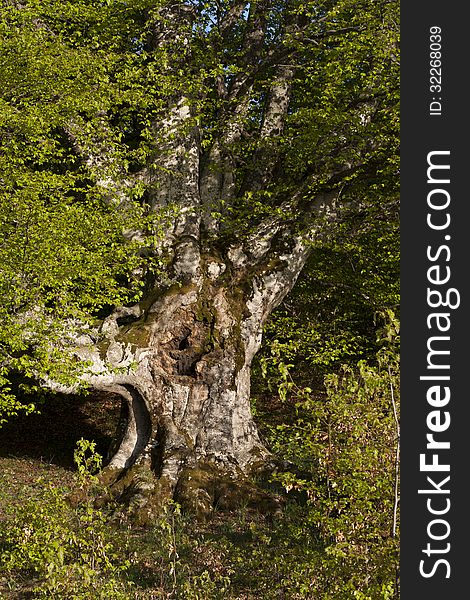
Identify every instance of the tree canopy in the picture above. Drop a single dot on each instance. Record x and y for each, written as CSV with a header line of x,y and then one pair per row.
x,y
282,101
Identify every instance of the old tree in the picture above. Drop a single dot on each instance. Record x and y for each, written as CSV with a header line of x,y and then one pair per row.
x,y
166,168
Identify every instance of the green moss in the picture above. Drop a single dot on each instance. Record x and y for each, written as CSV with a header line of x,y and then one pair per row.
x,y
137,335
102,347
109,475
205,310
206,487
152,506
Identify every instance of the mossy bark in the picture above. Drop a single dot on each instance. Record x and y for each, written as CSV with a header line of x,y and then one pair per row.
x,y
182,369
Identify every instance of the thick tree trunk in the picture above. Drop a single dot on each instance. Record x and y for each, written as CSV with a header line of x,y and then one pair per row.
x,y
181,363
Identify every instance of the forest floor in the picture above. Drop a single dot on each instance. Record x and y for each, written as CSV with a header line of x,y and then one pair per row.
x,y
233,555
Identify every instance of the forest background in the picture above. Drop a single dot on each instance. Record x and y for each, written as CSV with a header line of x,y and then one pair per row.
x,y
89,136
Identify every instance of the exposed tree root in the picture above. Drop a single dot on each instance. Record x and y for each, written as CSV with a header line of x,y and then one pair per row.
x,y
200,490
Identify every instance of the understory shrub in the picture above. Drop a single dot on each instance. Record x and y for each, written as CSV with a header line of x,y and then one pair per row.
x,y
343,451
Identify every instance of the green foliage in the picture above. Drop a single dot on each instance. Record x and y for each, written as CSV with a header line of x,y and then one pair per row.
x,y
330,317
55,549
176,552
65,215
68,552
10,406
343,451
87,461
357,48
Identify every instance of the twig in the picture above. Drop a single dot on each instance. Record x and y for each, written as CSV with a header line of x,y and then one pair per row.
x,y
397,458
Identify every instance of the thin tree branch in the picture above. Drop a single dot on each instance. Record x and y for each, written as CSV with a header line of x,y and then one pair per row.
x,y
397,458
231,17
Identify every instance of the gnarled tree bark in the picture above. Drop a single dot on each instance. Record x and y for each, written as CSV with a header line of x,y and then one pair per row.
x,y
181,364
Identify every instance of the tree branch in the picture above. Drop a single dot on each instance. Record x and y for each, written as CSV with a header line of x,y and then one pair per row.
x,y
103,157
231,17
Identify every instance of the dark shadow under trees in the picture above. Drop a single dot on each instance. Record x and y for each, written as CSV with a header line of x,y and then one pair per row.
x,y
51,433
